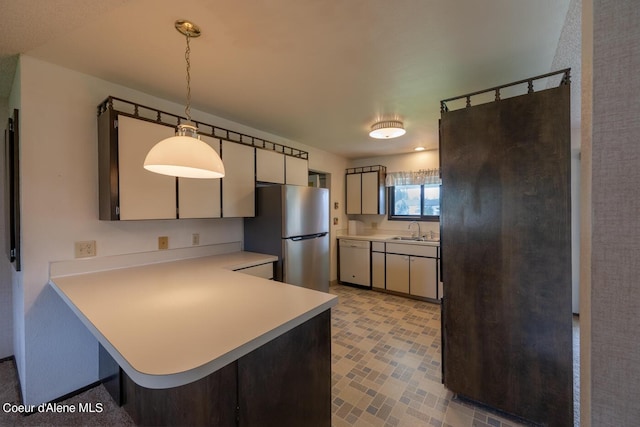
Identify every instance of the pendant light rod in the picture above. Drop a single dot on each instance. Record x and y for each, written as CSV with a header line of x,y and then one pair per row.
x,y
188,29
187,108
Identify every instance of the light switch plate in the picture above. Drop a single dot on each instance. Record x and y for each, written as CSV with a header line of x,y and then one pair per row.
x,y
85,249
163,242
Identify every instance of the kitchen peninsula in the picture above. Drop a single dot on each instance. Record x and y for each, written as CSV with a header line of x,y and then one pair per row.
x,y
198,343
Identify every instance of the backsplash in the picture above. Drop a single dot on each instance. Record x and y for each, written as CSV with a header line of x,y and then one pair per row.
x,y
378,224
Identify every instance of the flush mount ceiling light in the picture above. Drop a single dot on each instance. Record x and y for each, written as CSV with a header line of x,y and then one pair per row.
x,y
419,149
185,155
387,129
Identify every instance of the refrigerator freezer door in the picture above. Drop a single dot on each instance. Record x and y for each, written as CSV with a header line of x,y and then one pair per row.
x,y
306,211
306,262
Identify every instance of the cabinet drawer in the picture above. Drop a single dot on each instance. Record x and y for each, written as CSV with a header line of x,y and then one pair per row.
x,y
263,270
377,246
418,250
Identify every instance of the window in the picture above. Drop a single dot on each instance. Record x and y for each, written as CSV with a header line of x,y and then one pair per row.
x,y
414,202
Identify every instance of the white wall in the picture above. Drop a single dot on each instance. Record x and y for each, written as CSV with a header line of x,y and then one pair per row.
x,y
17,289
396,163
6,297
60,206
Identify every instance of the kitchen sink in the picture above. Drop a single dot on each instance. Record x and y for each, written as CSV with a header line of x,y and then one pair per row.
x,y
416,239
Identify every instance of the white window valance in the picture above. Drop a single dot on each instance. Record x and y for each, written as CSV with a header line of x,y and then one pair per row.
x,y
420,177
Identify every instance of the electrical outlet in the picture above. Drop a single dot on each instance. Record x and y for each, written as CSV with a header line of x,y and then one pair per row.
x,y
163,242
195,239
85,249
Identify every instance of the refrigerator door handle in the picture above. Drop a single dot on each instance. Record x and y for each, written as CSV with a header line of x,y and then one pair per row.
x,y
309,236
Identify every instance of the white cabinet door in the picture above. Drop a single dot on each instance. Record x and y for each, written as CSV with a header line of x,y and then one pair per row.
x,y
238,184
422,272
296,171
398,273
143,194
200,198
269,166
370,193
354,193
377,270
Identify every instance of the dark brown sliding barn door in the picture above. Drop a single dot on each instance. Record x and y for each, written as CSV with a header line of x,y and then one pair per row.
x,y
506,249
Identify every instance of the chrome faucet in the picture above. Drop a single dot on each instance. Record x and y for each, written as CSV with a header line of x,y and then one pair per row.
x,y
418,224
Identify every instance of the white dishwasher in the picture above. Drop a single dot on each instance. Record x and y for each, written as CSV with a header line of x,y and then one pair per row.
x,y
355,262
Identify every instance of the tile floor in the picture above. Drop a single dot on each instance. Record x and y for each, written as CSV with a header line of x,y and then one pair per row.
x,y
386,365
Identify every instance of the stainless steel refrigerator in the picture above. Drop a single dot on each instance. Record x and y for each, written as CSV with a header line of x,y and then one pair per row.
x,y
292,222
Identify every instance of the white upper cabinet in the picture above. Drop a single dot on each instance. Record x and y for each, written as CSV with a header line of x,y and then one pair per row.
x,y
238,184
296,171
127,191
269,166
365,190
200,198
143,194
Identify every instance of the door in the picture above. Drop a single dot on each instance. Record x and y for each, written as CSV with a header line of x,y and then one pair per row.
x,y
370,193
238,184
306,210
506,253
296,171
305,262
377,270
269,166
143,194
422,274
200,198
354,193
398,273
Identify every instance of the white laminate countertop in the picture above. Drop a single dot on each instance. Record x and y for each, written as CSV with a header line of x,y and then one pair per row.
x,y
172,323
389,238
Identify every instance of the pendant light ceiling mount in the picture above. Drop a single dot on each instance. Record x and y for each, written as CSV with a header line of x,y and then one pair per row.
x,y
188,28
185,155
387,129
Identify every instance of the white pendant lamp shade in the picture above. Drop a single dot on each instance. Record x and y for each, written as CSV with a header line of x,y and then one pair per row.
x,y
387,129
184,155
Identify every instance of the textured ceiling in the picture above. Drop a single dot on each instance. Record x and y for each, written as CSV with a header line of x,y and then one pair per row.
x,y
318,72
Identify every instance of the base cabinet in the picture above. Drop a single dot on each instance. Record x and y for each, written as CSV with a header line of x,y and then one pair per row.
x,y
286,382
412,270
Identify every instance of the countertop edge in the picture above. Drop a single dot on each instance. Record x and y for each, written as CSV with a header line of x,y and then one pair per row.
x,y
387,239
154,381
186,377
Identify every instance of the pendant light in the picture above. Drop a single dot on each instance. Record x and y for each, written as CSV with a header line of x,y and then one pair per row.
x,y
387,129
185,155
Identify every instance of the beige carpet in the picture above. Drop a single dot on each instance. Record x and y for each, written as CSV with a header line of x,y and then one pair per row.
x,y
111,414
